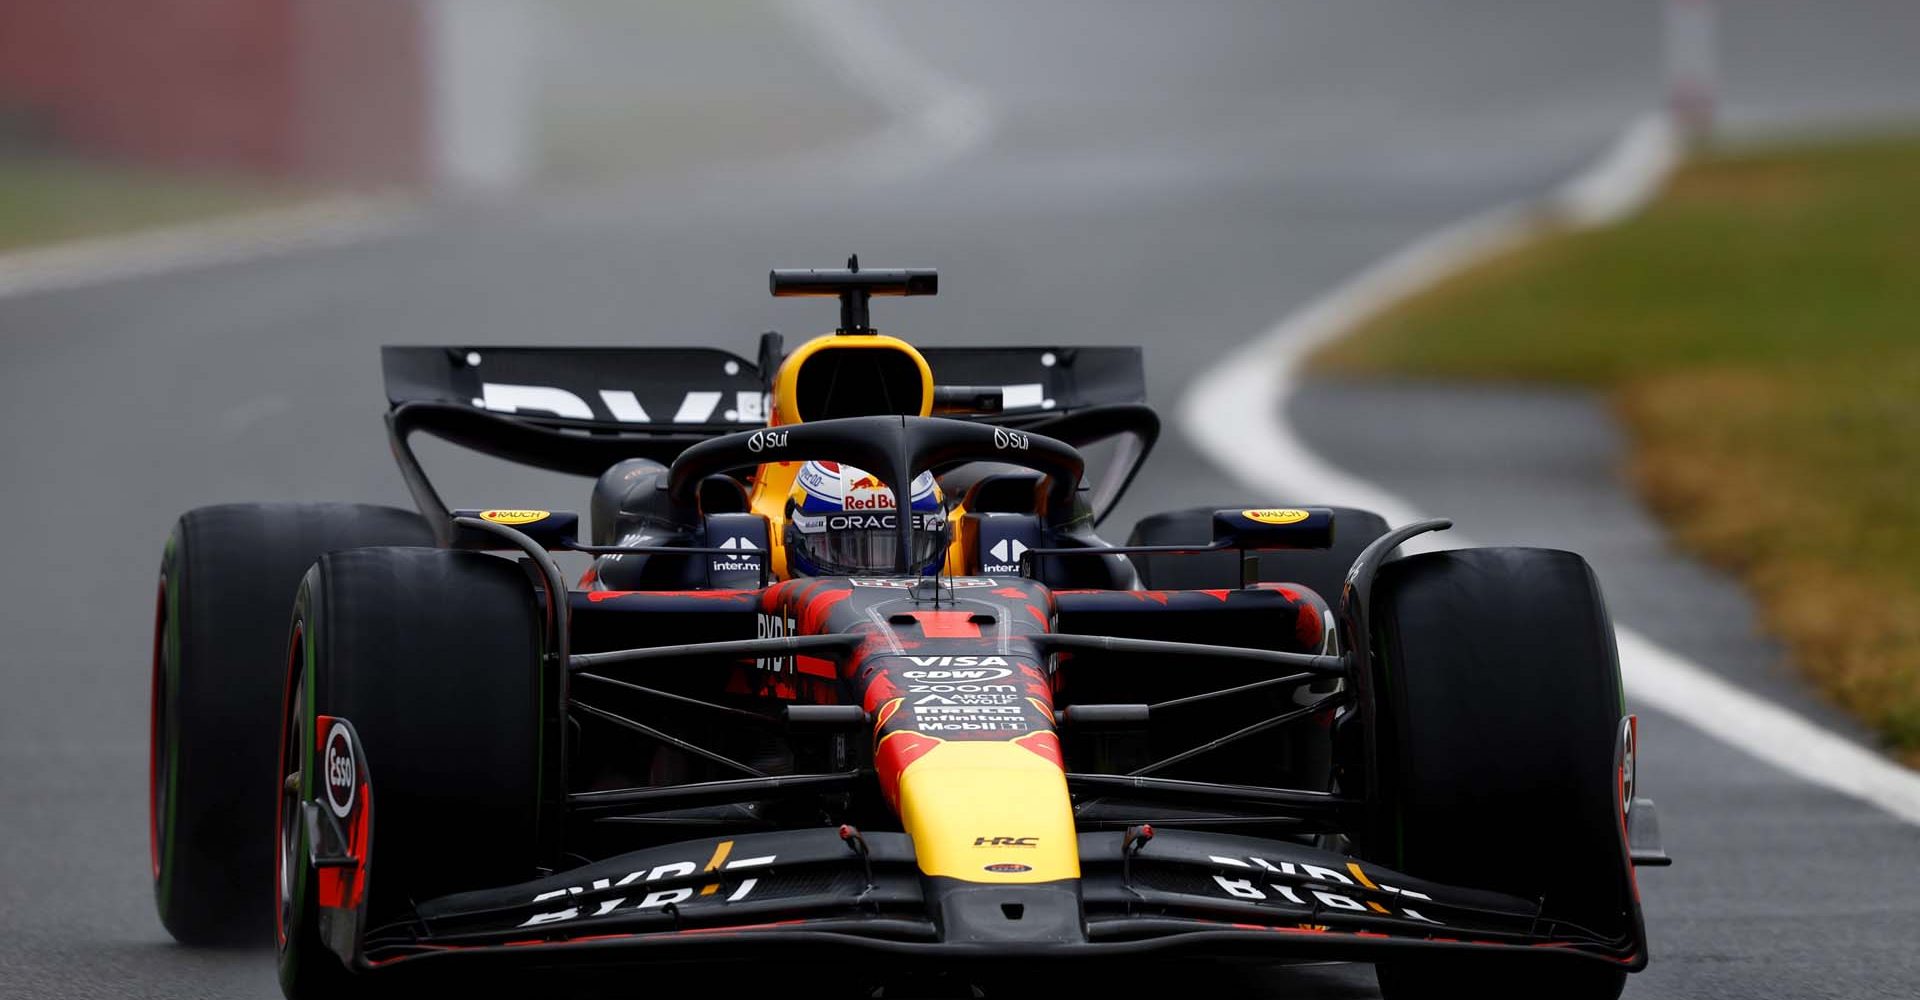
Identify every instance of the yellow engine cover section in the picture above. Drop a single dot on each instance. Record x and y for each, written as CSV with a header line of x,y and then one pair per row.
x,y
912,397
989,811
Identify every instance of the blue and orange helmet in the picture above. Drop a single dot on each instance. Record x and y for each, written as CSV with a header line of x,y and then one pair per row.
x,y
841,522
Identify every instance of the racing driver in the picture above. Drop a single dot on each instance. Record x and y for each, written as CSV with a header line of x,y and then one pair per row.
x,y
840,522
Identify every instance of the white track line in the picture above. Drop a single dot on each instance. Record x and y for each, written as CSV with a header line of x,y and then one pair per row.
x,y
251,236
1235,414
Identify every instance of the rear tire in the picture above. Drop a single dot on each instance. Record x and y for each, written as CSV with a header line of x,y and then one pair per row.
x,y
1499,707
1320,570
226,580
435,657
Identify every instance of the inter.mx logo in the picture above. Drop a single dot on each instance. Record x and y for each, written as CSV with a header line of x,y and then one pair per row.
x,y
747,559
1006,554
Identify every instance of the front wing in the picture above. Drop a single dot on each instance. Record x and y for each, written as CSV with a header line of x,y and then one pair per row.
x,y
824,894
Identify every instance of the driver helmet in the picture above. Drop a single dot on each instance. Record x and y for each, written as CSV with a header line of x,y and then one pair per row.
x,y
840,522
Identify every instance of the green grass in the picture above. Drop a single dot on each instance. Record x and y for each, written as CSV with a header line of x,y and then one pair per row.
x,y
1758,329
45,199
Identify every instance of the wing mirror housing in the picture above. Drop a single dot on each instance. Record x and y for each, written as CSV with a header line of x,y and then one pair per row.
x,y
1255,529
553,530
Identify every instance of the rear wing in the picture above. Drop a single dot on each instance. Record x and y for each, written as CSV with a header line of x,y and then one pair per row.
x,y
707,391
580,410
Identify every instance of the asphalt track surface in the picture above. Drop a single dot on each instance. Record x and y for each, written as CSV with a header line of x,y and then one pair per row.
x,y
1177,177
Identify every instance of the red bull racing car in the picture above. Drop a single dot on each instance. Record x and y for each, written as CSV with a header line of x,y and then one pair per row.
x,y
851,683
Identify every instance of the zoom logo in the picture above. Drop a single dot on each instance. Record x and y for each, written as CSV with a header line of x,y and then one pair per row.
x,y
1007,440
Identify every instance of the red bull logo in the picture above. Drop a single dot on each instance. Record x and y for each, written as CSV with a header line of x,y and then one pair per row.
x,y
867,493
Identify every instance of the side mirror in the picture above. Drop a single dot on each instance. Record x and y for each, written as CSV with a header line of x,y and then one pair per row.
x,y
1260,528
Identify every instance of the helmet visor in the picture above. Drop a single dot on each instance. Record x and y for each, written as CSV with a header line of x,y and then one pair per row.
x,y
856,543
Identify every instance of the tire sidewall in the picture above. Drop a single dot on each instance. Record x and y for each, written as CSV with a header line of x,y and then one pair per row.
x,y
307,967
228,574
376,646
1475,713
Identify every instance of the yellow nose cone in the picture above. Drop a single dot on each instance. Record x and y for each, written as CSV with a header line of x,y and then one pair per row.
x,y
993,812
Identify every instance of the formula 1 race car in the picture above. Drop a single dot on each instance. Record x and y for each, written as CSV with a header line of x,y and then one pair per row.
x,y
850,682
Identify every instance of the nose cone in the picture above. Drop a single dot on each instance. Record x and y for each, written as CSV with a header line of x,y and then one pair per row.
x,y
994,812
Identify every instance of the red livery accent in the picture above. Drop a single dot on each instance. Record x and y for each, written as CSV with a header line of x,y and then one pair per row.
x,y
1047,745
947,624
813,617
895,751
344,888
879,691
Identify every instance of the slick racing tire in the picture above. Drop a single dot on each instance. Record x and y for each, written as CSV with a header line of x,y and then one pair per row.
x,y
1320,570
435,658
1499,705
227,579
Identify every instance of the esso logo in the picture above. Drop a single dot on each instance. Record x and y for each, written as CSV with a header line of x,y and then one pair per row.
x,y
762,440
1007,440
339,771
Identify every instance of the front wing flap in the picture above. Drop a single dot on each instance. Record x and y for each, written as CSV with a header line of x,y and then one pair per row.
x,y
1202,892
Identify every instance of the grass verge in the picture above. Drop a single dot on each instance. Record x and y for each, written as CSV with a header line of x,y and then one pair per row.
x,y
48,199
1758,329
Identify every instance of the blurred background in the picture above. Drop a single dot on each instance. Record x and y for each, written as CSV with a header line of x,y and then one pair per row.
x,y
213,212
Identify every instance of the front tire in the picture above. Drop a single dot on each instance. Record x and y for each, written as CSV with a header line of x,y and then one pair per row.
x,y
435,657
226,580
1499,704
